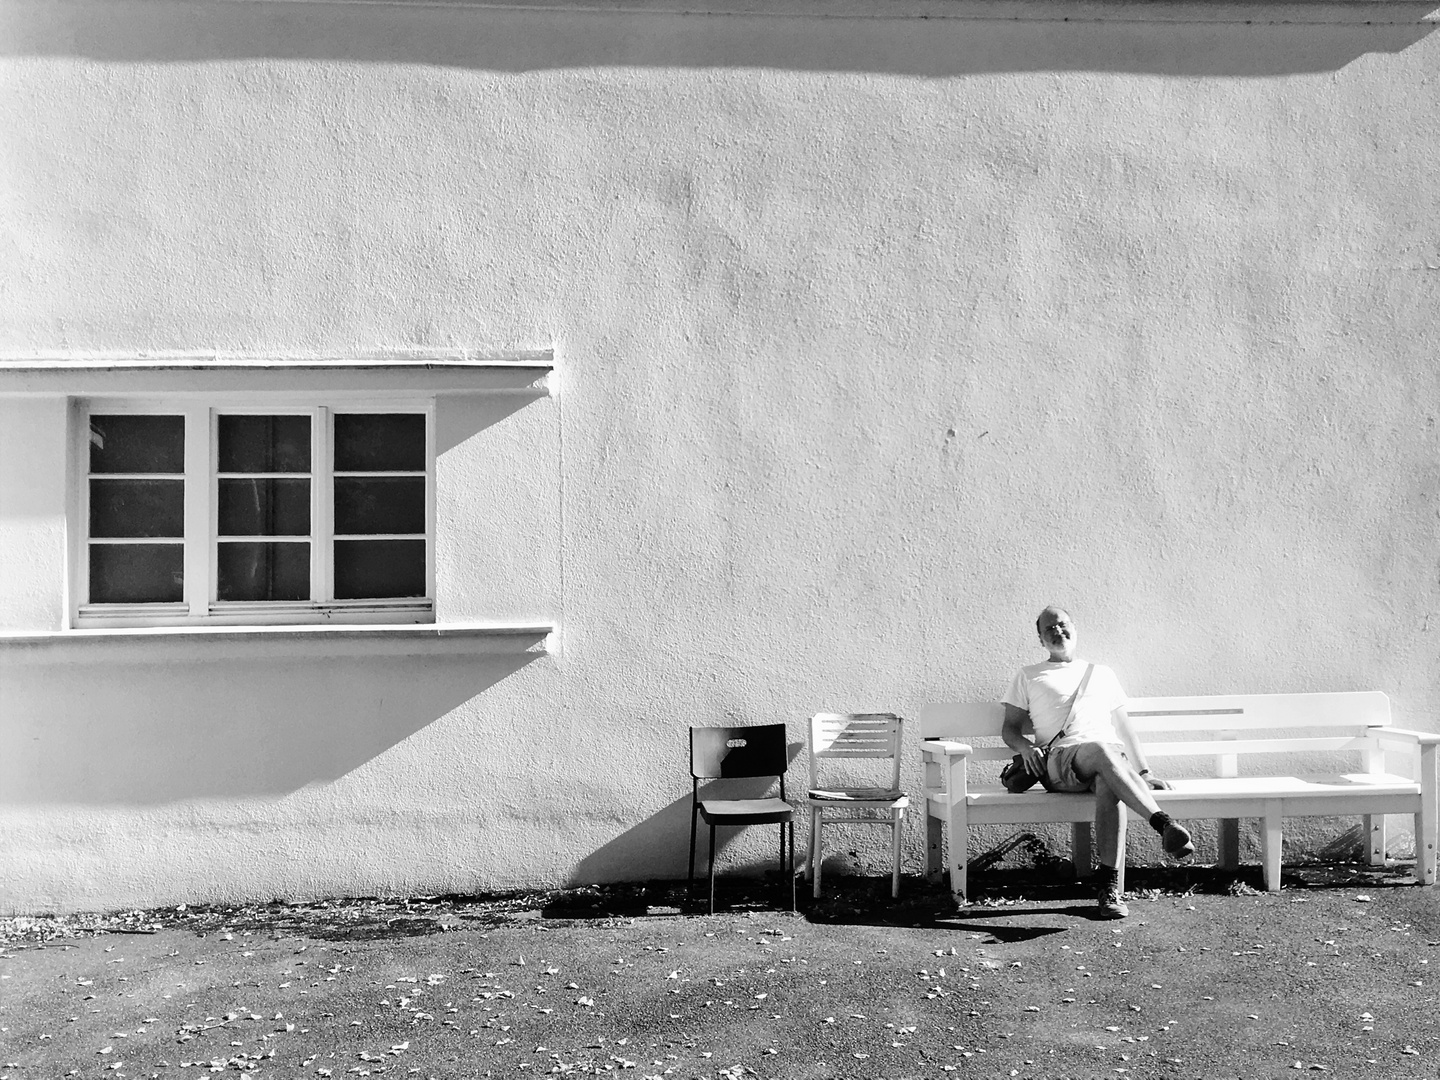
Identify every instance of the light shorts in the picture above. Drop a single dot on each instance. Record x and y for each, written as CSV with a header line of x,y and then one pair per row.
x,y
1060,769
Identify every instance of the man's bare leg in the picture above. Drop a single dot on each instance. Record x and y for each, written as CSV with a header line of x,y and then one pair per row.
x,y
1108,851
1107,824
1104,762
1107,765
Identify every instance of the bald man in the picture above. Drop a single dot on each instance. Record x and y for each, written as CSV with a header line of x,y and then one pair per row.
x,y
1097,751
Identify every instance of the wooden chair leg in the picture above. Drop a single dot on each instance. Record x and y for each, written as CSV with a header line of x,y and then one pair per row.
x,y
896,817
791,825
817,823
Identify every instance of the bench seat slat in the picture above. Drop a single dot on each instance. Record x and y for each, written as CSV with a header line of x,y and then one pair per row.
x,y
1080,808
1238,787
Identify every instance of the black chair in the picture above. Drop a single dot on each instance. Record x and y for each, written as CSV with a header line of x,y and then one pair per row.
x,y
732,753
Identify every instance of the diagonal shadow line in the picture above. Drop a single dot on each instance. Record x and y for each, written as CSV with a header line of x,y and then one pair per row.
x,y
992,913
1007,934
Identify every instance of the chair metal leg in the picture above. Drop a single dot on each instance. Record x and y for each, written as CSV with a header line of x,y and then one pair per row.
x,y
690,887
712,868
782,847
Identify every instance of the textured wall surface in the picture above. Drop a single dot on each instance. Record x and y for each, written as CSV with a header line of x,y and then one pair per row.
x,y
873,336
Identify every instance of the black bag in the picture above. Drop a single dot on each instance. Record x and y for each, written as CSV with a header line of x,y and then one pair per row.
x,y
1015,777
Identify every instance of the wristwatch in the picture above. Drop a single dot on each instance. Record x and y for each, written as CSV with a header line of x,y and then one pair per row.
x,y
1143,772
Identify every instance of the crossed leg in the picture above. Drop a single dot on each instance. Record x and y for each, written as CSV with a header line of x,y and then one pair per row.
x,y
1115,783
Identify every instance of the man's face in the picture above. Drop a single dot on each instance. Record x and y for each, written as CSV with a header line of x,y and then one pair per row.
x,y
1057,634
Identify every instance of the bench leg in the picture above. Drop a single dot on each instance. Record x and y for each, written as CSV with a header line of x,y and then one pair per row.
x,y
934,847
1082,851
958,827
1426,823
1230,843
1271,841
1375,845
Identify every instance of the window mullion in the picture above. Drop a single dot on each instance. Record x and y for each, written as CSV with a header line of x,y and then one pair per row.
x,y
199,512
322,473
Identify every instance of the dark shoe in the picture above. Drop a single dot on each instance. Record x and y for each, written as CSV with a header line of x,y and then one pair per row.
x,y
1176,841
1111,904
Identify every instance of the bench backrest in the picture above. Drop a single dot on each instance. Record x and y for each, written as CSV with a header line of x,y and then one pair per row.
x,y
1220,724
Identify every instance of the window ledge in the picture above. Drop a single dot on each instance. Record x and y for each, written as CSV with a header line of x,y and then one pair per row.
x,y
91,376
167,643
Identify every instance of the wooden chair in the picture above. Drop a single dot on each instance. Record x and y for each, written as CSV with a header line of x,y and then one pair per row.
x,y
852,737
733,753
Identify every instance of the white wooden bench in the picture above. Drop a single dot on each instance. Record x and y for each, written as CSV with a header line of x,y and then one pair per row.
x,y
1335,731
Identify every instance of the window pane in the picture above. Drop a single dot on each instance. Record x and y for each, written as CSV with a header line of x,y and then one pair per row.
x,y
261,444
379,504
258,571
379,442
264,507
137,573
137,444
133,508
370,569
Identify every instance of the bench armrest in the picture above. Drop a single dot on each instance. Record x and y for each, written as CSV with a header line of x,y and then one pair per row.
x,y
1418,738
945,748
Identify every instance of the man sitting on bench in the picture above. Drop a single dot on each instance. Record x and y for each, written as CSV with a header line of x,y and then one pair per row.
x,y
1095,751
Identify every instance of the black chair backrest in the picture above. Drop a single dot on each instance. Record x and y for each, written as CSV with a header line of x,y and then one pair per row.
x,y
725,752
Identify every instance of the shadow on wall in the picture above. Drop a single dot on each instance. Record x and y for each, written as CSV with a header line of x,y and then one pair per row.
x,y
460,416
659,847
1266,41
115,731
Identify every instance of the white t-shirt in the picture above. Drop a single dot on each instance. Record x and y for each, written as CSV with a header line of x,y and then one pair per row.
x,y
1044,690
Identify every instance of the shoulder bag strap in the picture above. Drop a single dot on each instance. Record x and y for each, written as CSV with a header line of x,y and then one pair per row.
x,y
1074,699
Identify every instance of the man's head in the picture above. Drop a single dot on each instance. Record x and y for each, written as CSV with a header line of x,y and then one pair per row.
x,y
1057,633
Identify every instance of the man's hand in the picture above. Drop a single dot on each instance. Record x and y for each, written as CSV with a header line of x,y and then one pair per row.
x,y
1156,784
1033,760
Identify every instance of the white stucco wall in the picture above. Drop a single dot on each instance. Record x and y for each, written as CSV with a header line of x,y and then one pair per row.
x,y
873,335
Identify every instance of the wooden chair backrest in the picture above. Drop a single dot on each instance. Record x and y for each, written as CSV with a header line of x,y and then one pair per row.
x,y
855,737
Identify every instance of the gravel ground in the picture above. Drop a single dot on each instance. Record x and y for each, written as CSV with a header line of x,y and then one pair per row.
x,y
1207,978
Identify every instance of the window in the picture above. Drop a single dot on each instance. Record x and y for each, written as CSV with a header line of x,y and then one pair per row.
x,y
252,513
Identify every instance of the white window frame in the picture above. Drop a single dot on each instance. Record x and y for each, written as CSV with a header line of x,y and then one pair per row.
x,y
200,606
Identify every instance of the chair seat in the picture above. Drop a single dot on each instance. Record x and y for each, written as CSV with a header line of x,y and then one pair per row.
x,y
861,796
745,811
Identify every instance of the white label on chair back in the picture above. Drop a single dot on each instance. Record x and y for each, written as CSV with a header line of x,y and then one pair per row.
x,y
732,743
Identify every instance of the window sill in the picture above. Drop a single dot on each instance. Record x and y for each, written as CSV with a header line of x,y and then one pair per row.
x,y
168,643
